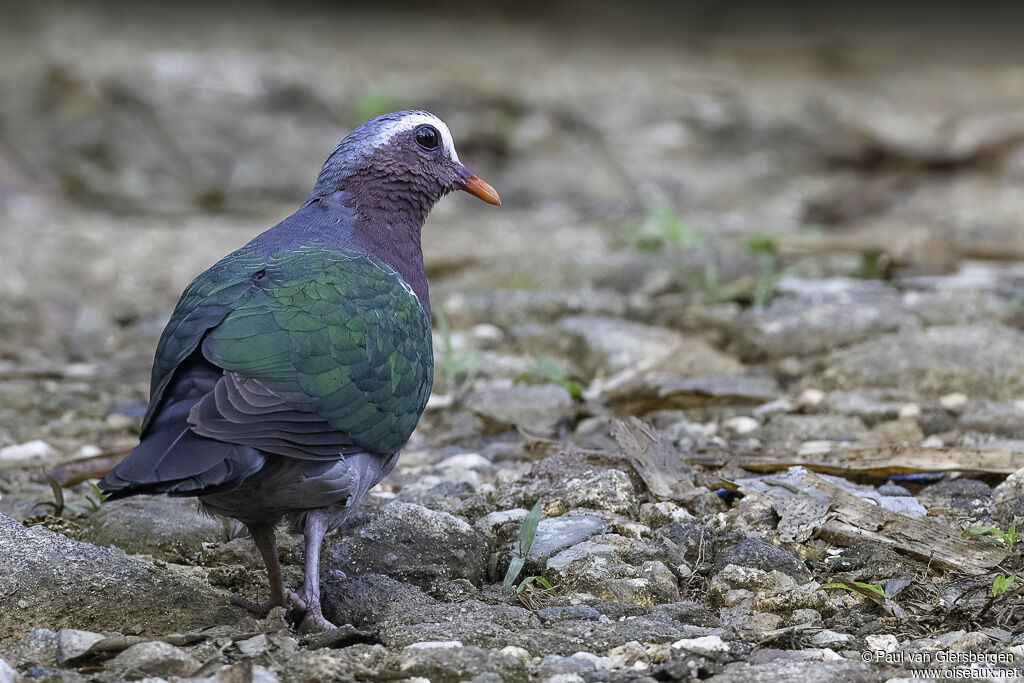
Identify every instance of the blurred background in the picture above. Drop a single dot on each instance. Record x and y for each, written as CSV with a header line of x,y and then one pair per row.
x,y
699,188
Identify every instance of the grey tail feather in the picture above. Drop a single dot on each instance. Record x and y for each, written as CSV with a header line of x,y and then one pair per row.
x,y
172,459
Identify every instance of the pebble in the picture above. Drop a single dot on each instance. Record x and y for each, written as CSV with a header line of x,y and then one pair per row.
x,y
7,674
885,642
30,450
815,447
909,411
701,645
954,402
933,441
254,646
779,405
154,657
72,643
435,645
811,397
741,424
555,534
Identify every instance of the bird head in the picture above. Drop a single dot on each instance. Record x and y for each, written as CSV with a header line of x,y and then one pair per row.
x,y
404,161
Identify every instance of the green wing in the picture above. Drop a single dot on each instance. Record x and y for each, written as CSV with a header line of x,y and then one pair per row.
x,y
335,342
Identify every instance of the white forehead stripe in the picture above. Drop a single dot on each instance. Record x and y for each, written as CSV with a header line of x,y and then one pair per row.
x,y
393,128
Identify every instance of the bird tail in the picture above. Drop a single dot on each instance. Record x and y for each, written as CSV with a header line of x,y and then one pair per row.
x,y
173,459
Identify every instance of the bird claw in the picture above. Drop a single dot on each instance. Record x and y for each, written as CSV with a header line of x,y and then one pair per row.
x,y
315,623
293,602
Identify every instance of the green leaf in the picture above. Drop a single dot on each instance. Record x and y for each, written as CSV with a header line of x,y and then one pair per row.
x,y
873,587
514,568
1001,584
760,243
539,580
58,494
979,529
529,529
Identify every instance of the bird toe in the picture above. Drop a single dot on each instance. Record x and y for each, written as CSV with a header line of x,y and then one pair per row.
x,y
315,623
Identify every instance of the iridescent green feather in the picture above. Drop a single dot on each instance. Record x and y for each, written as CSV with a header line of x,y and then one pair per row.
x,y
340,334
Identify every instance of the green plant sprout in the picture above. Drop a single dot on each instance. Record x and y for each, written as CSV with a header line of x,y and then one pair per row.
x,y
550,370
527,530
94,500
1008,537
1001,584
460,368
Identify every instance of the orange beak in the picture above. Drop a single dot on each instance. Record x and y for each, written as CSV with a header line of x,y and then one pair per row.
x,y
481,190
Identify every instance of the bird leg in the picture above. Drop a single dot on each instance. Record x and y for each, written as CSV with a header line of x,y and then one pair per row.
x,y
316,527
266,543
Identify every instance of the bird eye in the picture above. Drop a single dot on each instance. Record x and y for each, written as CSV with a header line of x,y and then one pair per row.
x,y
427,137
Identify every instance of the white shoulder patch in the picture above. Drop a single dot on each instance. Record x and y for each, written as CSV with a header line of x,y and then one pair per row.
x,y
412,120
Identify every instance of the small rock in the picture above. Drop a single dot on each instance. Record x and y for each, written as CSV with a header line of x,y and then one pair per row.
x,y
705,645
8,674
435,645
72,644
741,424
558,613
806,616
933,441
30,450
154,657
251,647
954,402
536,409
909,411
811,397
882,643
656,515
48,572
555,534
831,639
171,529
411,543
780,405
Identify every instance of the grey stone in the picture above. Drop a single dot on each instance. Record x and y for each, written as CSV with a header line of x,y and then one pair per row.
x,y
154,658
37,647
411,543
568,481
72,644
611,345
534,408
1005,418
977,360
561,612
691,537
961,495
460,664
171,529
789,431
753,552
596,568
251,647
788,671
7,673
816,322
47,579
557,533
